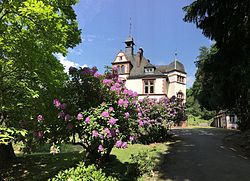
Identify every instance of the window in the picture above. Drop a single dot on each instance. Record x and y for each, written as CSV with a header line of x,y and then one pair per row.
x,y
148,86
180,95
149,70
180,79
118,69
120,58
232,120
122,69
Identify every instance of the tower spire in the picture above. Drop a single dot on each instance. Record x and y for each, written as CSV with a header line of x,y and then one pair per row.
x,y
130,26
175,58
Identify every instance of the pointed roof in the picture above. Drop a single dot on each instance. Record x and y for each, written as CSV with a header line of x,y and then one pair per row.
x,y
130,39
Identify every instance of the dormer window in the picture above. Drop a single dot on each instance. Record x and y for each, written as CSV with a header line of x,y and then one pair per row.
x,y
149,70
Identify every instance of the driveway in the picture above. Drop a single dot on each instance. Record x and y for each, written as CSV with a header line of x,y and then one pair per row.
x,y
199,155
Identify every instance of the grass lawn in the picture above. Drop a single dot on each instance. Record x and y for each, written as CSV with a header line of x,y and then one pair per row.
x,y
197,121
41,166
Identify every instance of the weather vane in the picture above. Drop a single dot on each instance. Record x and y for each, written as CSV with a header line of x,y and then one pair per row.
x,y
175,54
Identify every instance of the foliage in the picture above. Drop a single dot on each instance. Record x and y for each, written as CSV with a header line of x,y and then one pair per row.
x,y
224,69
193,108
7,135
198,121
82,173
97,122
142,164
154,116
31,32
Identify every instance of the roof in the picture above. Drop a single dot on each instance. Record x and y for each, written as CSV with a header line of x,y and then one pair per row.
x,y
173,66
138,72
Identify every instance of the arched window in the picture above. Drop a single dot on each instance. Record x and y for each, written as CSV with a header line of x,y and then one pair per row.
x,y
180,95
122,69
118,69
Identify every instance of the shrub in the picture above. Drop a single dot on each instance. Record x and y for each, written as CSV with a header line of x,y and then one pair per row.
x,y
97,112
82,173
154,116
142,163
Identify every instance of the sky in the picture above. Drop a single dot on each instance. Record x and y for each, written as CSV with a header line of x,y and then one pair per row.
x,y
157,27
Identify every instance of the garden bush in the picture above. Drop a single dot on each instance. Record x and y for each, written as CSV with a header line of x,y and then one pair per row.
x,y
154,117
82,173
97,112
142,163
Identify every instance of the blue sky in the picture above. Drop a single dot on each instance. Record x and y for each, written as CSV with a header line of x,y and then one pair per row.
x,y
157,26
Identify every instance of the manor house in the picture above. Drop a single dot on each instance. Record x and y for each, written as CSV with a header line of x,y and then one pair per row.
x,y
147,79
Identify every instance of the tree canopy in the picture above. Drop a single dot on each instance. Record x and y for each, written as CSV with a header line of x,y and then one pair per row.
x,y
225,73
31,33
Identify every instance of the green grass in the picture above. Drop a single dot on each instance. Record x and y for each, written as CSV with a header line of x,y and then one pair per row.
x,y
123,155
42,165
197,121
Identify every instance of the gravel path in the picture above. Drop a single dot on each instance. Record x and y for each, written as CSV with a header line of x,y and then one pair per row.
x,y
199,155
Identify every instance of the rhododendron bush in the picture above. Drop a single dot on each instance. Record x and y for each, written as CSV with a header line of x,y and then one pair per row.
x,y
155,115
99,113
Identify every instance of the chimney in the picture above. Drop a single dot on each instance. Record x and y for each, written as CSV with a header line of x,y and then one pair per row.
x,y
139,57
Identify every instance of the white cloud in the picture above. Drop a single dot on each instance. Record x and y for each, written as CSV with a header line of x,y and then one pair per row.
x,y
190,81
66,63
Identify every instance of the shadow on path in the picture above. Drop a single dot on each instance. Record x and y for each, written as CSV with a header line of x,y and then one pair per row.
x,y
199,155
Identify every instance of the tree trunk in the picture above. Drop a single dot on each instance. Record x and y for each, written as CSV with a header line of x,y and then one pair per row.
x,y
7,155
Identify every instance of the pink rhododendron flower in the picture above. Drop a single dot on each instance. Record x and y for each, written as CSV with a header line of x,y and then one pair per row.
x,y
39,117
126,115
107,81
112,121
61,114
120,102
57,103
97,75
95,133
100,148
135,94
125,91
105,114
124,145
63,106
117,85
101,136
67,117
79,116
118,144
141,123
131,138
107,131
87,120
113,88
111,109
140,114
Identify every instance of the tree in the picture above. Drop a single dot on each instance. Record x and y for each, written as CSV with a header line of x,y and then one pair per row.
x,y
225,82
31,32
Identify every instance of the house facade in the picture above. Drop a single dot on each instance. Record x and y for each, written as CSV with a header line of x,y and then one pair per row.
x,y
225,119
147,79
